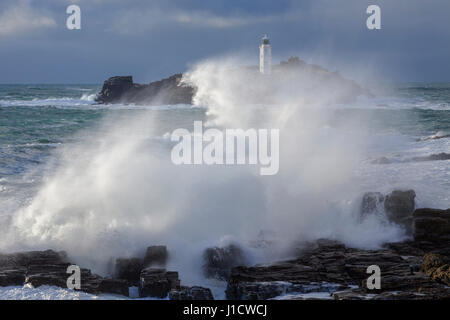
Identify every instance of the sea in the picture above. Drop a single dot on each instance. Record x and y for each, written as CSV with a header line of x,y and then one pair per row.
x,y
62,154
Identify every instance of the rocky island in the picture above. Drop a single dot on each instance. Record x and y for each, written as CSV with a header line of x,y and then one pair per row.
x,y
172,90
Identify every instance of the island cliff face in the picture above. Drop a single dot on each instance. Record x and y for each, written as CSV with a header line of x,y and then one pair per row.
x,y
122,89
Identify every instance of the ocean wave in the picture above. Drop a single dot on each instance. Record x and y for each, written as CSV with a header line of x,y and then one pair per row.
x,y
87,101
397,103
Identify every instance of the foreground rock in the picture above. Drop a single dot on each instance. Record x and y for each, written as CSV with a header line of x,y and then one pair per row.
x,y
398,207
331,267
157,283
191,293
371,202
432,225
50,268
129,269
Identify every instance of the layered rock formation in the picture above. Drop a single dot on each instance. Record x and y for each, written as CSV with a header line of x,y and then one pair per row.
x,y
157,282
415,269
39,268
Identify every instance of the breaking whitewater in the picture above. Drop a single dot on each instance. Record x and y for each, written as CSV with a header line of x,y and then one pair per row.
x,y
97,182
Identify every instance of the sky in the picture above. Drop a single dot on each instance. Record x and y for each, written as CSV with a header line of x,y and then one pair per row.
x,y
153,39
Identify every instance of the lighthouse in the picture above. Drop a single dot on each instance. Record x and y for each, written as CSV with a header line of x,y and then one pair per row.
x,y
265,56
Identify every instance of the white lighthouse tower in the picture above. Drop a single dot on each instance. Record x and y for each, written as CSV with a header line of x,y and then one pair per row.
x,y
265,56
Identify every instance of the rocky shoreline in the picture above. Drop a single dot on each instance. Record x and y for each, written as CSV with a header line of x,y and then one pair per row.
x,y
418,268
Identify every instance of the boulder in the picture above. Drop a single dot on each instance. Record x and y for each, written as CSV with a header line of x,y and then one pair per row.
x,y
219,261
116,286
129,269
155,256
157,283
191,293
432,225
371,202
399,207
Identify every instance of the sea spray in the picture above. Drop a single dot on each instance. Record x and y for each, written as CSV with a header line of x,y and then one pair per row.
x,y
117,192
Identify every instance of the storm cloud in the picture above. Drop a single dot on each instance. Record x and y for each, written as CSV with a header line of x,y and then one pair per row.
x,y
154,39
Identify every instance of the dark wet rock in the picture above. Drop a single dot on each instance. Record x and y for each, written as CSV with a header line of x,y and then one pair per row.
x,y
432,225
56,275
51,274
121,89
432,157
219,261
114,88
330,262
12,277
271,289
24,259
435,137
358,294
191,293
371,202
399,207
116,286
407,248
155,282
50,268
129,269
156,256
15,267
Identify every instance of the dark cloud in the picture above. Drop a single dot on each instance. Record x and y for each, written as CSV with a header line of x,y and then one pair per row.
x,y
153,39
